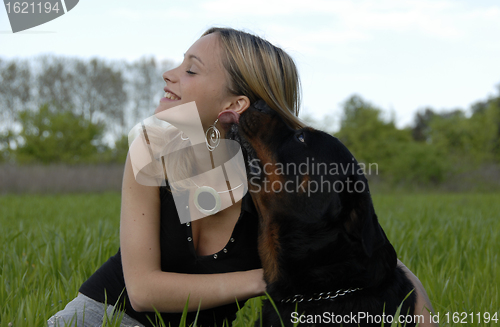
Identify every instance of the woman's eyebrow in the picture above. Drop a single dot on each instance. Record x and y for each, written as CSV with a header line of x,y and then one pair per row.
x,y
191,56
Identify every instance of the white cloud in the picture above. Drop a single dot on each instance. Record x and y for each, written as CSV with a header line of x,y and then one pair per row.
x,y
307,26
349,19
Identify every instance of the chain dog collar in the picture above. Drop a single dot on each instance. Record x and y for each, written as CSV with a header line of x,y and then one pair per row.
x,y
319,296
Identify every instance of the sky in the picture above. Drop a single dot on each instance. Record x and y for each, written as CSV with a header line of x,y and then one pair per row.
x,y
400,55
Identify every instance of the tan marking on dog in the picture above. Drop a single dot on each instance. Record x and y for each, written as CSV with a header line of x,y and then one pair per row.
x,y
268,161
269,248
269,245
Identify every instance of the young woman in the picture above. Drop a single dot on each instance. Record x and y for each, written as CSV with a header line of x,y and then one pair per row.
x,y
212,261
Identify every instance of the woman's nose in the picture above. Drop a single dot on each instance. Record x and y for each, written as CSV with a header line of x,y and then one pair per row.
x,y
169,76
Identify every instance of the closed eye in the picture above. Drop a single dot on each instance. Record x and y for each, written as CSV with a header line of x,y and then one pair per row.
x,y
190,72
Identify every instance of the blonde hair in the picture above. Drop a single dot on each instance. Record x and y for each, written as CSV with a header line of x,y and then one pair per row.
x,y
260,70
256,69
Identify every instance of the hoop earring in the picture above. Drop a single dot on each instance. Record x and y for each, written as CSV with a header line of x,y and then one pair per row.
x,y
184,138
212,137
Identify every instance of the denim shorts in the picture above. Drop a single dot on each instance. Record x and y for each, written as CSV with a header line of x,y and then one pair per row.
x,y
85,312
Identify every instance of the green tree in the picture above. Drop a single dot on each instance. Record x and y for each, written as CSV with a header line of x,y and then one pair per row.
x,y
419,163
491,111
467,140
374,140
364,131
117,153
420,130
6,152
58,136
15,77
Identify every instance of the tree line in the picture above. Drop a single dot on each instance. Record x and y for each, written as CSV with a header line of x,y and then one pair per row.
x,y
438,147
79,111
73,110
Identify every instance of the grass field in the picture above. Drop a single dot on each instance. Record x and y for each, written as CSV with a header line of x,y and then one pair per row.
x,y
52,243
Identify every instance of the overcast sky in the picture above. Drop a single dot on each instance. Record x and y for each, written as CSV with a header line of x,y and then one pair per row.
x,y
400,55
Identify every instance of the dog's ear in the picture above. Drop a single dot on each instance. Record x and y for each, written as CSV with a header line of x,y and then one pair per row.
x,y
362,222
263,107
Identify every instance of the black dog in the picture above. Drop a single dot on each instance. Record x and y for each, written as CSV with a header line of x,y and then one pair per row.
x,y
324,254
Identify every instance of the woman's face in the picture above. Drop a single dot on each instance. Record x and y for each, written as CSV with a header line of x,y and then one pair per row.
x,y
200,78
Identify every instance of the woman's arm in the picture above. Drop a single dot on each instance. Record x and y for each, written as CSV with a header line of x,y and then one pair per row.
x,y
423,304
150,288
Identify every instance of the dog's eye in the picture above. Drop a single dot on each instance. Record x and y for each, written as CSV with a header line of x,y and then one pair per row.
x,y
300,137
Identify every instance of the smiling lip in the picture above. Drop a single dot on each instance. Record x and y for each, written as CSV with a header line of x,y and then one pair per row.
x,y
168,95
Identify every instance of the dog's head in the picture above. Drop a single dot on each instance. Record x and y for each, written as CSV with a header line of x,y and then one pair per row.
x,y
307,176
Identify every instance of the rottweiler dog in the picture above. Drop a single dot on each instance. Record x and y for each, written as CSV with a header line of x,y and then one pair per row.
x,y
326,259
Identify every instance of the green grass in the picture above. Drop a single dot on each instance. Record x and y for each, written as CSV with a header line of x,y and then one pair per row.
x,y
52,243
452,243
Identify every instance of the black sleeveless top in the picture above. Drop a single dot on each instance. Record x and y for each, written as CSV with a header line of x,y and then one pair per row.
x,y
178,255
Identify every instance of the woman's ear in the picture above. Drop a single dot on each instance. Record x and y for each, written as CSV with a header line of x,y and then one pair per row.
x,y
240,104
233,110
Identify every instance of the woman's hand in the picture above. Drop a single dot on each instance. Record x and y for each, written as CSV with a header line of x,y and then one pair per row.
x,y
257,277
423,305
